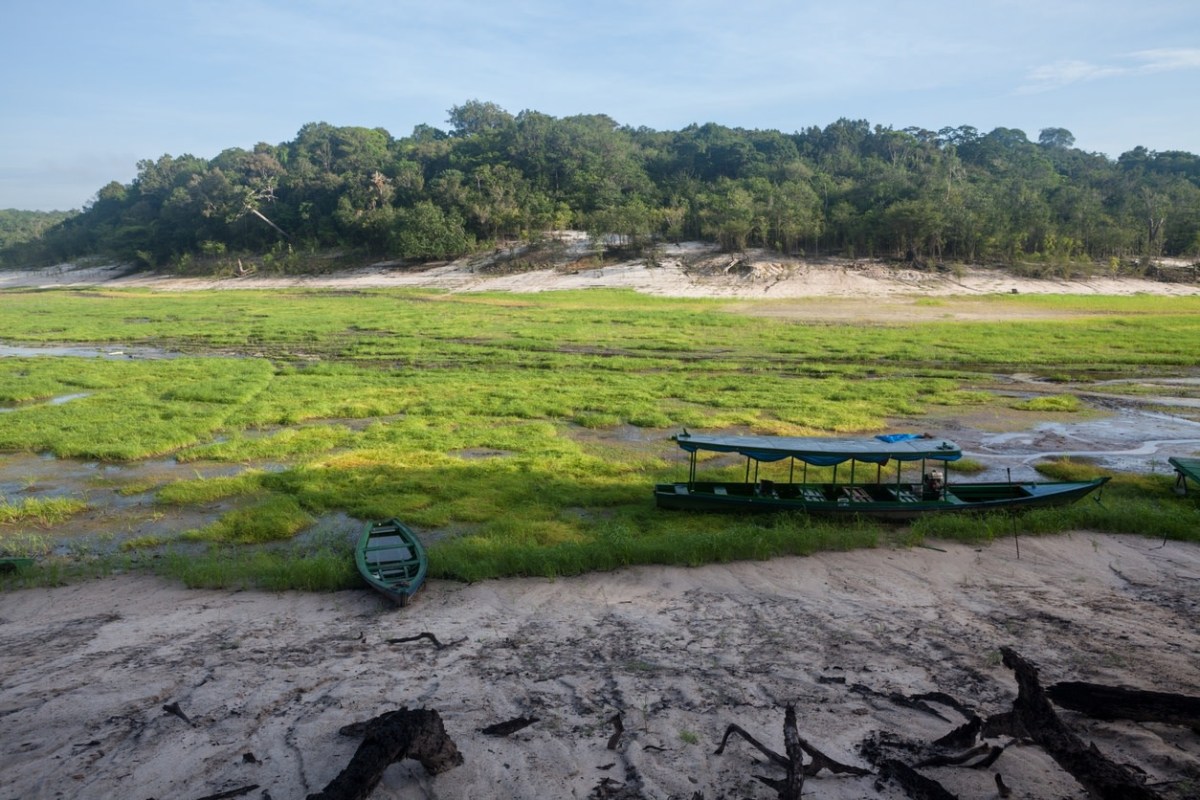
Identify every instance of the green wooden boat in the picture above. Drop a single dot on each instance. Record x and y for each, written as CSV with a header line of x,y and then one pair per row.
x,y
862,492
392,560
14,563
1185,468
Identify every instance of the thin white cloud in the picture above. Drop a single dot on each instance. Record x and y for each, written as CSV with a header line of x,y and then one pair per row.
x,y
1066,72
1168,60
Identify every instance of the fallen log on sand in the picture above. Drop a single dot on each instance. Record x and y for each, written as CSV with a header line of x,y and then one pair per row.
x,y
1112,702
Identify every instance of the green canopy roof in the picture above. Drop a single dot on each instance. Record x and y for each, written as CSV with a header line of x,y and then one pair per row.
x,y
822,451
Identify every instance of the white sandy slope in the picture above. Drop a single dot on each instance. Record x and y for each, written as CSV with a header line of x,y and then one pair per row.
x,y
268,679
683,270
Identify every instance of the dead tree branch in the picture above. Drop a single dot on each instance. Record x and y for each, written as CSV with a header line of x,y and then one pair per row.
x,y
795,746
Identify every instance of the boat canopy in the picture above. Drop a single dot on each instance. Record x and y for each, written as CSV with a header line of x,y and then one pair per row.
x,y
820,451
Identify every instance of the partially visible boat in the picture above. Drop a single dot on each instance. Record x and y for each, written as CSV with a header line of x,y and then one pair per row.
x,y
14,563
392,560
1185,468
858,494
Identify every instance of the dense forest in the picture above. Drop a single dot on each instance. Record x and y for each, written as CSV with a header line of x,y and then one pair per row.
x,y
22,226
850,189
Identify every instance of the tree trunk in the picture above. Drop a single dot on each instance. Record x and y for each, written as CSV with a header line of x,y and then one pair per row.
x,y
1112,702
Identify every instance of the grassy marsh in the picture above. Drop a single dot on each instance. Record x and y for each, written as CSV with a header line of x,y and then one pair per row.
x,y
523,433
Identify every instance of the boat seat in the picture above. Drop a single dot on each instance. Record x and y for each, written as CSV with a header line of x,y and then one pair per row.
x,y
720,490
387,574
389,563
857,494
681,488
811,495
905,496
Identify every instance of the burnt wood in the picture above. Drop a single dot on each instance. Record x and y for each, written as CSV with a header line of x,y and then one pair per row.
x,y
1112,702
390,737
1035,717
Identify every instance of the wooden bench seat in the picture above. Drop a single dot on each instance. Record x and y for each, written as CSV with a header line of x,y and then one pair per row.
x,y
857,494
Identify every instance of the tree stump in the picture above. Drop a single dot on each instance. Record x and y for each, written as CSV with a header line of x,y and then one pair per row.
x,y
389,738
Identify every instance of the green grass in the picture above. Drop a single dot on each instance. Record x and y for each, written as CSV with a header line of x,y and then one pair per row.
x,y
43,511
276,518
209,490
326,564
680,539
1066,403
525,432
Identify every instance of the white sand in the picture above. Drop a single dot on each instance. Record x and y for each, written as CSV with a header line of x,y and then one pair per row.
x,y
686,270
680,653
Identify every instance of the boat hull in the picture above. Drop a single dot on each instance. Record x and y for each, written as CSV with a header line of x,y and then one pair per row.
x,y
391,560
871,500
1185,468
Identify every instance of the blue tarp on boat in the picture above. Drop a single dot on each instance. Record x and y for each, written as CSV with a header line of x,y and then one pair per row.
x,y
900,437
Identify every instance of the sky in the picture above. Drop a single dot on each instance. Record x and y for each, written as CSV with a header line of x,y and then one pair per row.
x,y
90,87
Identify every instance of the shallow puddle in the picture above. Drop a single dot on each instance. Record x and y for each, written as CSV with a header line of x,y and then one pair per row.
x,y
86,351
120,498
1130,440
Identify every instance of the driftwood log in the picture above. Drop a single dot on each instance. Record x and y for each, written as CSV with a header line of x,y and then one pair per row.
x,y
1112,702
1034,718
508,726
391,737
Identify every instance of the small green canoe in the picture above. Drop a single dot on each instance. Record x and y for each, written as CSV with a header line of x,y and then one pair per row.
x,y
392,560
14,563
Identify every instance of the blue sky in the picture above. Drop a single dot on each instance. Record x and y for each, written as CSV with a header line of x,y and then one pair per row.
x,y
90,87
